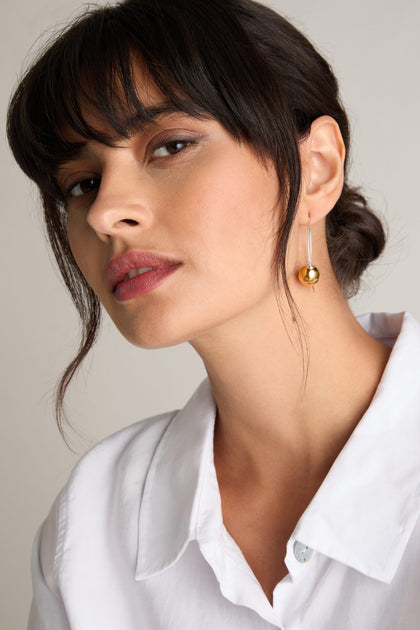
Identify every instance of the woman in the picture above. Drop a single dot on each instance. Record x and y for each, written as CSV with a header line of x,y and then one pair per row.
x,y
192,160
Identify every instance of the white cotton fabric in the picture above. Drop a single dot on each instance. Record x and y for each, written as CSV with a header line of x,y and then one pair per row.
x,y
136,539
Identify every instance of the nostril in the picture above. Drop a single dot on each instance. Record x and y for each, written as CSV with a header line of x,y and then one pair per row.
x,y
130,221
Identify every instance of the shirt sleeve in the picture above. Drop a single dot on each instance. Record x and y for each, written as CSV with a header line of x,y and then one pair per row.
x,y
47,610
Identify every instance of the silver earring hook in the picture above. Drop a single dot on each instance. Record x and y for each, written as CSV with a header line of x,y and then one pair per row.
x,y
309,243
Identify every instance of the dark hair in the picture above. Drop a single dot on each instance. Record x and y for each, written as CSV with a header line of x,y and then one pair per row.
x,y
235,60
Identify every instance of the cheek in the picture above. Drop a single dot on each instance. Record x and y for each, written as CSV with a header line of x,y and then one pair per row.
x,y
232,212
84,247
78,246
75,233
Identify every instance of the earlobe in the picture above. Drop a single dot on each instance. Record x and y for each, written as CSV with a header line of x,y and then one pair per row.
x,y
322,156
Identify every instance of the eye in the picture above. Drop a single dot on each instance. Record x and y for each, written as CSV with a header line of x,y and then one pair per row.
x,y
171,148
84,187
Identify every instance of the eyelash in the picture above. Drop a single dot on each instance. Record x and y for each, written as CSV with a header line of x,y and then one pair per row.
x,y
91,180
164,145
94,182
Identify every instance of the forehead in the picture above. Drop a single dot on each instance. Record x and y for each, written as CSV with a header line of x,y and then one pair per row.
x,y
121,114
122,111
111,100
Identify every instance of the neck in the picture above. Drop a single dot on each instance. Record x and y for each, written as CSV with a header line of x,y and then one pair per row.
x,y
276,395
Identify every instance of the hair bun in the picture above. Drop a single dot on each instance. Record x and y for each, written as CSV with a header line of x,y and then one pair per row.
x,y
355,237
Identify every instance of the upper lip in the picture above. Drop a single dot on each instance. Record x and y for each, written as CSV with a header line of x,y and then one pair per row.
x,y
118,267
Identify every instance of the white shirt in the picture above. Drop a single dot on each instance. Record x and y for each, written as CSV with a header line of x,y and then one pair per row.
x,y
136,539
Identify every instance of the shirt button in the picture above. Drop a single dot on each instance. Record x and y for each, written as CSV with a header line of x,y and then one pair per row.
x,y
302,552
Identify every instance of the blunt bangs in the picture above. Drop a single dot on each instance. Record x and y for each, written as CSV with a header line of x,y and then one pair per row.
x,y
91,69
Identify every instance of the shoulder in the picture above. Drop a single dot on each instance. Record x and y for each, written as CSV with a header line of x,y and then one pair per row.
x,y
94,524
116,466
133,445
101,499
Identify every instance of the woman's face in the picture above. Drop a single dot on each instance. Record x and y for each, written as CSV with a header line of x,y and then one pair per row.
x,y
192,209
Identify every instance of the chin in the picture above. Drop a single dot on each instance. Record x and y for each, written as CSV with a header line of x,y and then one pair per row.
x,y
152,336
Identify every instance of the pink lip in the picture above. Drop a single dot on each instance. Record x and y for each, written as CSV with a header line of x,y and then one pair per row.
x,y
128,288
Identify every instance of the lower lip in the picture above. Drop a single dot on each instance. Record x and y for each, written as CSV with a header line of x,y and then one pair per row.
x,y
144,283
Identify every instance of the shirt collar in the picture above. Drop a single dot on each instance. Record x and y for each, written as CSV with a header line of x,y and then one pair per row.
x,y
366,508
170,498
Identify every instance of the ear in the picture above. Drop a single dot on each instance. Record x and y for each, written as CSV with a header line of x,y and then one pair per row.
x,y
322,156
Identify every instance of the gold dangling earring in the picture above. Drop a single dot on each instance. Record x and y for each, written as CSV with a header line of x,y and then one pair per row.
x,y
309,275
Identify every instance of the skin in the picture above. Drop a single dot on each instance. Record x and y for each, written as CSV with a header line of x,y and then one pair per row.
x,y
213,207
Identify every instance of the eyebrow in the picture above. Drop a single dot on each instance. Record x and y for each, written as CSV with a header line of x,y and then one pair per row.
x,y
152,114
148,117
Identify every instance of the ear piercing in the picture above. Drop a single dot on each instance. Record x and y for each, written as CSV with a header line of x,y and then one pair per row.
x,y
309,275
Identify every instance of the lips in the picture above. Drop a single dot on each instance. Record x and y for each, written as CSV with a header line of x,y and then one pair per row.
x,y
136,273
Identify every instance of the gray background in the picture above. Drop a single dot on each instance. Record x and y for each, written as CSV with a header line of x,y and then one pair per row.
x,y
374,48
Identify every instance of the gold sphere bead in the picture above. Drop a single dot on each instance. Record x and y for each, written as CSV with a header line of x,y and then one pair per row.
x,y
309,275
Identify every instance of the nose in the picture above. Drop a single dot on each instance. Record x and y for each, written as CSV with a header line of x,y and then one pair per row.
x,y
123,204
